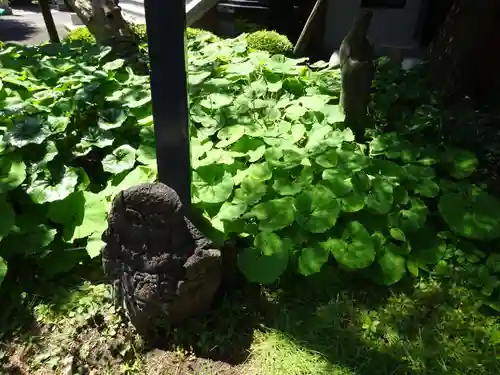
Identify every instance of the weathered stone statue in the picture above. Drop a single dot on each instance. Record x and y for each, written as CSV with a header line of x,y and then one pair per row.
x,y
163,270
357,70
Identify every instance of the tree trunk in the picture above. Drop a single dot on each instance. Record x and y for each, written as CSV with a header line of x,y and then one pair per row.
x,y
103,18
464,55
49,21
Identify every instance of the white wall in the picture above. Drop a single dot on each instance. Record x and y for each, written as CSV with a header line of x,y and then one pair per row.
x,y
389,26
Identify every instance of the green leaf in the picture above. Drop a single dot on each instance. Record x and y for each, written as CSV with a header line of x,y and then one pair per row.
x,y
250,191
28,243
95,245
318,209
120,160
290,186
53,186
397,234
427,188
460,163
328,159
275,214
29,130
113,65
474,215
338,181
57,124
229,135
260,172
7,217
94,219
392,266
410,219
112,118
68,210
261,268
3,270
312,259
352,202
361,181
216,100
355,250
217,189
230,211
12,173
380,198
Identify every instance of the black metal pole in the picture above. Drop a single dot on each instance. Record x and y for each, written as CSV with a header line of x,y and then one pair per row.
x,y
166,23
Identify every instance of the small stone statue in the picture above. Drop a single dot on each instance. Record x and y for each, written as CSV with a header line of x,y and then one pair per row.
x,y
357,70
163,270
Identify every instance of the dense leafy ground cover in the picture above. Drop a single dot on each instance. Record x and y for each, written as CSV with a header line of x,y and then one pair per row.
x,y
275,170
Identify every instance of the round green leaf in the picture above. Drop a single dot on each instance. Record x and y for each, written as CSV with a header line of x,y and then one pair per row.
x,y
216,190
230,211
30,242
260,171
328,159
112,118
352,202
397,234
260,268
392,266
356,249
290,186
475,215
427,188
410,219
50,187
275,214
380,198
12,173
312,259
250,191
338,181
216,101
29,130
120,160
268,243
318,209
460,163
360,181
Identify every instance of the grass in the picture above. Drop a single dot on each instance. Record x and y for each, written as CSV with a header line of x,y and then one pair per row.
x,y
344,326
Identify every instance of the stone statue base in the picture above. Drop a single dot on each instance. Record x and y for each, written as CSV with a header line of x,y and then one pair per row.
x,y
163,270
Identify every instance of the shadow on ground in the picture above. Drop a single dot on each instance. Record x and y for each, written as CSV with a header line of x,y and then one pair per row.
x,y
16,31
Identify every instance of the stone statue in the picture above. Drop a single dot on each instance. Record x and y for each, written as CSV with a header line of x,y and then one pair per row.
x,y
163,270
357,70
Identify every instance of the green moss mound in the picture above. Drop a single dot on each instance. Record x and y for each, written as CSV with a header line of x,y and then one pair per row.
x,y
269,41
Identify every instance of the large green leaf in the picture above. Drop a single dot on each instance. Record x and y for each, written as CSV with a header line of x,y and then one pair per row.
x,y
120,160
474,215
460,163
318,209
275,214
29,130
355,250
54,185
312,259
266,261
12,173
